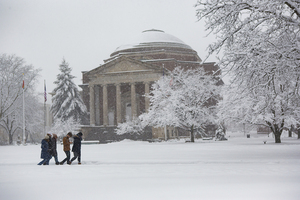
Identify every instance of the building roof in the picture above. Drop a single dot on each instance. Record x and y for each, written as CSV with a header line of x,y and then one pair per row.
x,y
153,39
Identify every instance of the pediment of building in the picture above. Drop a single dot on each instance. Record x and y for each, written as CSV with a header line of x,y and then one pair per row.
x,y
123,65
124,70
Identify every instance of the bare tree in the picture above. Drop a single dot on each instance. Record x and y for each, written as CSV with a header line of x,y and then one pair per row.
x,y
13,73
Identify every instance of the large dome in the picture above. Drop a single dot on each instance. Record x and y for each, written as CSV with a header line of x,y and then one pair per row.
x,y
153,40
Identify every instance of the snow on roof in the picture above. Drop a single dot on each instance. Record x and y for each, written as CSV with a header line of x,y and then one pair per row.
x,y
154,38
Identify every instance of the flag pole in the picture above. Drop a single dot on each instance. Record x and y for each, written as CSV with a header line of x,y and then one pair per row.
x,y
24,137
45,99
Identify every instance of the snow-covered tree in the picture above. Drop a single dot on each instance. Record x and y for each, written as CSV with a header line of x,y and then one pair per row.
x,y
260,43
13,123
67,102
34,116
271,105
184,99
61,128
13,72
133,126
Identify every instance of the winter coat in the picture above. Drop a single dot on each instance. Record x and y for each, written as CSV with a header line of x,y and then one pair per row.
x,y
77,144
45,149
50,144
53,147
66,144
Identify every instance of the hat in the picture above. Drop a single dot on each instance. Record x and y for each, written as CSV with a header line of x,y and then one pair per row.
x,y
46,137
49,134
79,134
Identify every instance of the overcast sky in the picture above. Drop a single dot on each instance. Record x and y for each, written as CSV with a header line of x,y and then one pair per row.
x,y
85,32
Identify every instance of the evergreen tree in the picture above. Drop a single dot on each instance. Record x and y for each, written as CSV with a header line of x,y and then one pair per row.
x,y
67,102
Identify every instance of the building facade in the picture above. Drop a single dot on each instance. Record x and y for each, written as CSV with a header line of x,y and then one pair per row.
x,y
115,91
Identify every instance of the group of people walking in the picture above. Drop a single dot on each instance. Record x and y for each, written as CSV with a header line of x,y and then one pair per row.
x,y
49,149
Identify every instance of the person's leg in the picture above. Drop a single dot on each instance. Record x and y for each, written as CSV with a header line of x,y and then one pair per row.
x,y
79,158
42,162
75,156
63,161
56,160
48,160
66,159
68,156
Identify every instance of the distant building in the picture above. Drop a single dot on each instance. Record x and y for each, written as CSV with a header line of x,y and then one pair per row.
x,y
263,129
114,92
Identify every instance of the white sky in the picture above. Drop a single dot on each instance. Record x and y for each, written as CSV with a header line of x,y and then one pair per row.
x,y
85,32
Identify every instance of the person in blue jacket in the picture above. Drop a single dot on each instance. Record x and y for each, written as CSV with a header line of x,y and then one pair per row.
x,y
45,154
76,149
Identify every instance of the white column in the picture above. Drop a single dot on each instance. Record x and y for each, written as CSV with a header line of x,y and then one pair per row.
x,y
105,106
97,104
147,101
92,105
118,102
133,101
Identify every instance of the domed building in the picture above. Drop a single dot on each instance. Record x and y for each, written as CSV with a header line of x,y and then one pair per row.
x,y
115,91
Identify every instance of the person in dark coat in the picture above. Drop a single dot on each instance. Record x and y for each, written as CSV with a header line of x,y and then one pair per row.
x,y
45,154
66,143
54,148
49,147
76,149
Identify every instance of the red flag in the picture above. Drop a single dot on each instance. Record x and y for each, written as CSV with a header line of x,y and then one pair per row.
x,y
23,85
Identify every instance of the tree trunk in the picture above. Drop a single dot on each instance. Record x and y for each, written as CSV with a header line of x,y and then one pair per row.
x,y
192,134
290,133
277,137
10,138
298,132
276,130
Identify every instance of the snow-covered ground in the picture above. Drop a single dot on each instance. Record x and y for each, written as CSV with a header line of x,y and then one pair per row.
x,y
240,168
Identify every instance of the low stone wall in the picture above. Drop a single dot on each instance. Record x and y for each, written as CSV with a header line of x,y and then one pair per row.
x,y
108,134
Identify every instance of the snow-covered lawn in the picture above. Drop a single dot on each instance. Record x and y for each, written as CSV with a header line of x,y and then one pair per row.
x,y
240,168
